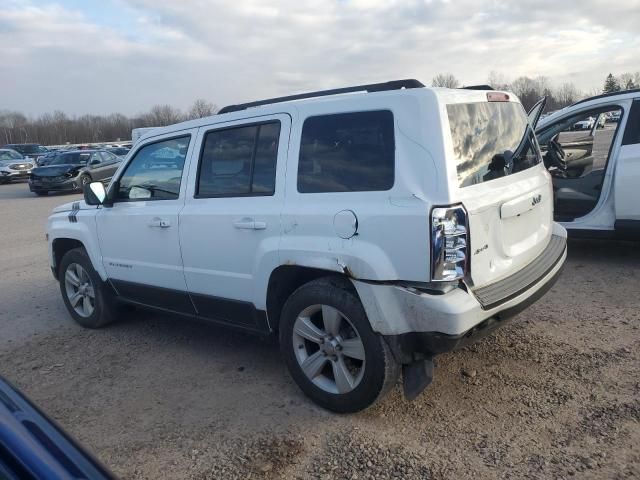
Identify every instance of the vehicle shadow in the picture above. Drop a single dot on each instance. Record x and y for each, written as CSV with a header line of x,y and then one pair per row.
x,y
600,251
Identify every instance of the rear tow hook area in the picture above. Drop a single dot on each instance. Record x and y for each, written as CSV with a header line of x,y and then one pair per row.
x,y
416,376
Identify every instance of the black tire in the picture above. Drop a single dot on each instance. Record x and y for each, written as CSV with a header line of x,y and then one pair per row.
x,y
105,308
84,180
381,371
41,193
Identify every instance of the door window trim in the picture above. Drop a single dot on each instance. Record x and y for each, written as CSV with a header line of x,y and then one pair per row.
x,y
203,142
115,184
633,121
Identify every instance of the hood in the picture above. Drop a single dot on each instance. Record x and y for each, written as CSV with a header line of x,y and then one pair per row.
x,y
67,207
17,161
56,170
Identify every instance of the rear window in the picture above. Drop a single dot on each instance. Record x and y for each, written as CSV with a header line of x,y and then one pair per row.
x,y
491,140
347,152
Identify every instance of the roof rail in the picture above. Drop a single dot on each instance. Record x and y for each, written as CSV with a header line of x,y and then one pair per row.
x,y
605,95
373,87
478,87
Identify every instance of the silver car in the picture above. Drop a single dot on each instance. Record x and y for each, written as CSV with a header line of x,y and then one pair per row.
x,y
13,166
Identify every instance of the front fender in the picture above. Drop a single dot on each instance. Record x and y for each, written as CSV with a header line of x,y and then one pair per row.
x,y
79,225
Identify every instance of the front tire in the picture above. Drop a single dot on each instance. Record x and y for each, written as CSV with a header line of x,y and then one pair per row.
x,y
330,349
84,180
85,295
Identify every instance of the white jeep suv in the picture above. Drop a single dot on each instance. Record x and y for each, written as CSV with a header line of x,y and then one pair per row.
x,y
370,227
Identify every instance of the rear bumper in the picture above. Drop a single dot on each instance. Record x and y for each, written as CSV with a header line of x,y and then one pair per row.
x,y
437,323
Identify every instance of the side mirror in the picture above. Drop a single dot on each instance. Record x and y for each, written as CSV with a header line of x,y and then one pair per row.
x,y
94,162
95,193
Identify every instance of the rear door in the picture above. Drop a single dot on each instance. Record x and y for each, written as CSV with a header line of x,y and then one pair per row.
x,y
230,225
502,184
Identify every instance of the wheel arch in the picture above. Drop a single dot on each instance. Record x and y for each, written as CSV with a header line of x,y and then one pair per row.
x,y
61,243
286,279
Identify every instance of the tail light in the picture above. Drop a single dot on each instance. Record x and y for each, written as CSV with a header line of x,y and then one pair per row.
x,y
449,243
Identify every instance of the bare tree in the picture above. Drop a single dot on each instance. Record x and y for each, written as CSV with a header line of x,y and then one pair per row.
x,y
566,94
162,115
201,108
446,80
498,81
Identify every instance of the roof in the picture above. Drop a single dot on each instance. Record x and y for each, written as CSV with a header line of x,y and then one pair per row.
x,y
607,95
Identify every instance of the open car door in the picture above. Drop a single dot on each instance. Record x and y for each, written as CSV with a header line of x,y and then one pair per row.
x,y
536,112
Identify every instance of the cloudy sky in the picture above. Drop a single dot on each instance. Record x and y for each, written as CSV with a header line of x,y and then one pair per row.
x,y
101,56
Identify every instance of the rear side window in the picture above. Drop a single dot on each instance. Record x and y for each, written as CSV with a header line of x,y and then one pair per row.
x,y
347,152
239,161
491,140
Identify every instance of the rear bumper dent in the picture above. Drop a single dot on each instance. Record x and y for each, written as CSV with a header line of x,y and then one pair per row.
x,y
394,310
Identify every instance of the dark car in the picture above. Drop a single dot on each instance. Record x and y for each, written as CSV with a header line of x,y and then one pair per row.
x,y
120,151
47,157
70,171
32,446
31,150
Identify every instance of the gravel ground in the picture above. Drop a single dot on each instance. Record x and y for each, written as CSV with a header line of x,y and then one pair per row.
x,y
555,394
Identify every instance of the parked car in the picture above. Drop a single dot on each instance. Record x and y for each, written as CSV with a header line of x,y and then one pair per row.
x,y
596,172
13,166
368,242
119,151
47,157
586,124
35,447
30,150
69,171
613,117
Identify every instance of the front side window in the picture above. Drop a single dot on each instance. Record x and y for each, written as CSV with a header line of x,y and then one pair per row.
x,y
347,152
490,140
239,161
155,172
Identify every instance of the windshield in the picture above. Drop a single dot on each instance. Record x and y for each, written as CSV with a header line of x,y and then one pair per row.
x,y
29,149
10,155
491,140
74,158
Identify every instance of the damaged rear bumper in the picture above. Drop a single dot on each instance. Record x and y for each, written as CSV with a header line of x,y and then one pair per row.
x,y
425,324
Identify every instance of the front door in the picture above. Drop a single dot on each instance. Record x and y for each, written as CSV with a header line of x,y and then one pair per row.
x,y
627,176
230,226
139,234
577,149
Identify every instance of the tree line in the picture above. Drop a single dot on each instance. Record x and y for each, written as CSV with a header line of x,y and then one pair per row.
x,y
530,90
58,128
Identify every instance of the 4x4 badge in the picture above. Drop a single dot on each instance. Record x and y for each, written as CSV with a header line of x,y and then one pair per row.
x,y
536,200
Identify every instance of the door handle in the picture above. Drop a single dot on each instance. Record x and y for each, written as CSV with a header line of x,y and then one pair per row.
x,y
249,224
159,223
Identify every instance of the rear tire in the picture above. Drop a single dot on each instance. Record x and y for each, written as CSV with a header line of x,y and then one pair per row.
x,y
330,349
87,298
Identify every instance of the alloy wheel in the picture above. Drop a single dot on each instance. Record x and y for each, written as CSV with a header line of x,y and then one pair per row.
x,y
328,349
80,290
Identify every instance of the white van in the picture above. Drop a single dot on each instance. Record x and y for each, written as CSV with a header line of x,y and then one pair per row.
x,y
370,227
